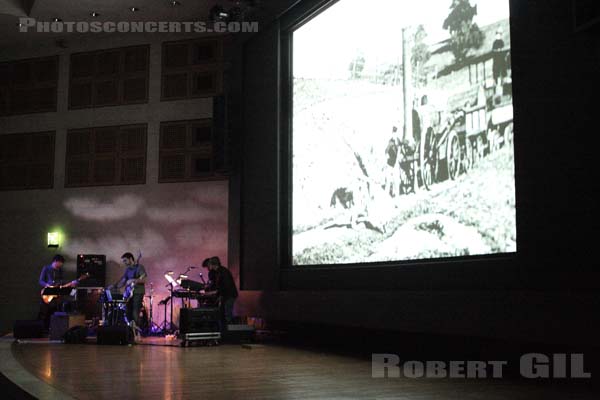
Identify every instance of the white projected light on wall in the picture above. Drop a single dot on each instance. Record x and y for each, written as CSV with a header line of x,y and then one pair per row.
x,y
402,132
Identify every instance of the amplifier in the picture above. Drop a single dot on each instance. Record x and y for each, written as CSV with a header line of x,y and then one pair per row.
x,y
60,323
199,320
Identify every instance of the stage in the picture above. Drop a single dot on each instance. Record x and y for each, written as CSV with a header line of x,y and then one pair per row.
x,y
160,369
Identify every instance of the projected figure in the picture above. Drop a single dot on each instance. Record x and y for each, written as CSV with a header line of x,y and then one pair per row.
x,y
392,165
222,286
425,113
52,276
499,58
408,146
344,196
133,280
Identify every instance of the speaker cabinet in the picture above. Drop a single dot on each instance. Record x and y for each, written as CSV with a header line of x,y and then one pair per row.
x,y
199,320
60,323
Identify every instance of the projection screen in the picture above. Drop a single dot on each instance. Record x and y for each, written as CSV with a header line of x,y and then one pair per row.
x,y
402,132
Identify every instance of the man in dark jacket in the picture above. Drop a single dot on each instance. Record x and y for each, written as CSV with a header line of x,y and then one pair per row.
x,y
223,286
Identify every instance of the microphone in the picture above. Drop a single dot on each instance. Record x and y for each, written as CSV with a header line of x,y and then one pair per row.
x,y
192,267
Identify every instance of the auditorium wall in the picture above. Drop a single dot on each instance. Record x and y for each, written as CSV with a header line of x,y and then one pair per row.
x,y
174,225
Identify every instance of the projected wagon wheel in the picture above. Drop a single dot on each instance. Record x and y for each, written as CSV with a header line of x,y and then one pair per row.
x,y
478,149
426,164
453,155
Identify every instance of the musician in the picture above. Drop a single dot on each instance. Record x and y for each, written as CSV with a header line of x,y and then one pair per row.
x,y
211,273
133,277
222,286
52,275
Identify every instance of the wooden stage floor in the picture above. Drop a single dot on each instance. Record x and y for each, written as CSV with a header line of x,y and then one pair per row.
x,y
95,372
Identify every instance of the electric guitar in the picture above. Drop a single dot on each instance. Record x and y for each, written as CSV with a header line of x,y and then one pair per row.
x,y
129,289
47,298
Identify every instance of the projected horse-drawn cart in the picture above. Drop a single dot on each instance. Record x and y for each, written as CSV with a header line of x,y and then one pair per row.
x,y
402,137
450,139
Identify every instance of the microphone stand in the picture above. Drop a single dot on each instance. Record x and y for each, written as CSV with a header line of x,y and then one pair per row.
x,y
171,330
152,327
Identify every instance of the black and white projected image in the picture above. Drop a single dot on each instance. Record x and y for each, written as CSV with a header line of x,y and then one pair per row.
x,y
402,132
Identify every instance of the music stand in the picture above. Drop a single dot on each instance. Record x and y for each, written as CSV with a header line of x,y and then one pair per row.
x,y
163,325
57,291
172,283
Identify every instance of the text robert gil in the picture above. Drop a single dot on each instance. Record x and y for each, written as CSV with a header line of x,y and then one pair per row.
x,y
531,365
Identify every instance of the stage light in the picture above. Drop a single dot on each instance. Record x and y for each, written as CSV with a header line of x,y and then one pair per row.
x,y
53,239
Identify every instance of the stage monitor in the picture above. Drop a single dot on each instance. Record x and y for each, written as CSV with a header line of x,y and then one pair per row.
x,y
401,132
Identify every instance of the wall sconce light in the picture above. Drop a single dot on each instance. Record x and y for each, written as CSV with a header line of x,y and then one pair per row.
x,y
53,239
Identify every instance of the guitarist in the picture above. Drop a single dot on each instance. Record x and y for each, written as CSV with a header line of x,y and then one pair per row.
x,y
52,275
134,278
